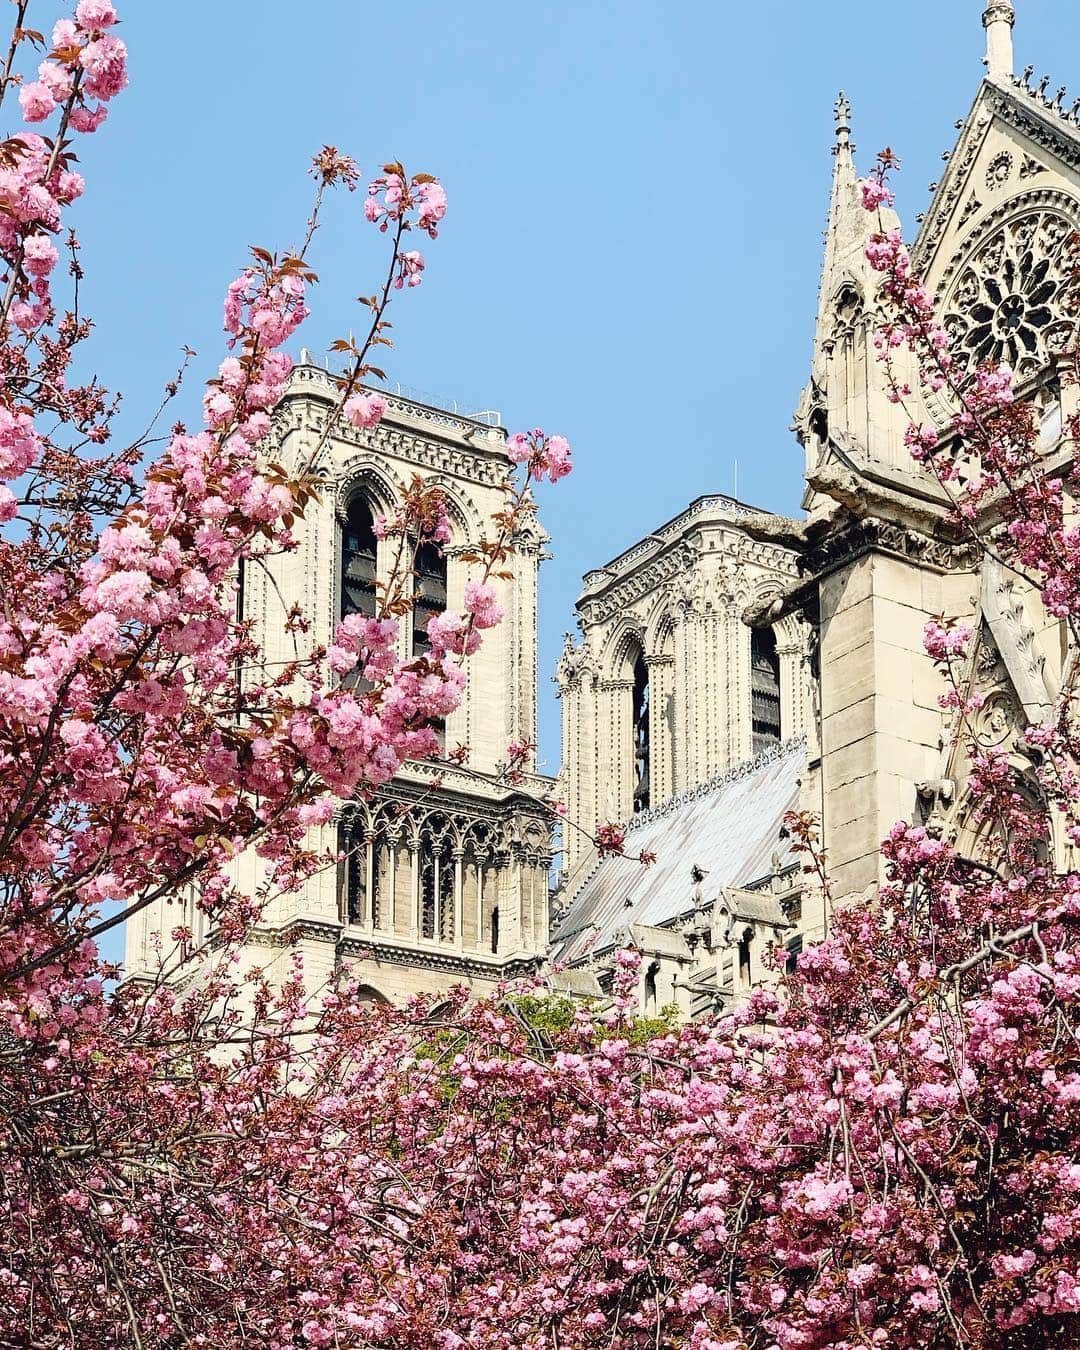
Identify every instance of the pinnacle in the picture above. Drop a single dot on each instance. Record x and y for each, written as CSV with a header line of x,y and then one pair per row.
x,y
842,114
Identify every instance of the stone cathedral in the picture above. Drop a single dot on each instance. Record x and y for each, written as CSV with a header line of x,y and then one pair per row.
x,y
736,664
731,666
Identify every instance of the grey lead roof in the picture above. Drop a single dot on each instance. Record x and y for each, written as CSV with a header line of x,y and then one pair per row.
x,y
728,827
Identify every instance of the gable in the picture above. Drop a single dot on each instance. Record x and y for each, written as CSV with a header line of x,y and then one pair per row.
x,y
993,248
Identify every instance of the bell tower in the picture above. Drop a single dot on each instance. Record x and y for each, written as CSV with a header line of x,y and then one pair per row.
x,y
443,873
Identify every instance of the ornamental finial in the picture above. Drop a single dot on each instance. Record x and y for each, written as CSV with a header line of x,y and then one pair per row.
x,y
998,19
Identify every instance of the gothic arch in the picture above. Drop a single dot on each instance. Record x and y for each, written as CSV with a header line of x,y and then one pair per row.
x,y
358,817
791,631
622,649
531,535
365,474
973,834
1053,198
439,826
659,629
847,307
466,522
367,993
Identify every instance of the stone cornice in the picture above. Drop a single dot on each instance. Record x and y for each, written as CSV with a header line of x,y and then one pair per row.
x,y
746,546
286,934
417,775
722,510
410,432
871,534
316,383
849,538
626,590
443,960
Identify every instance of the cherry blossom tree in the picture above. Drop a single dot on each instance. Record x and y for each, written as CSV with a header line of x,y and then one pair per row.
x,y
145,742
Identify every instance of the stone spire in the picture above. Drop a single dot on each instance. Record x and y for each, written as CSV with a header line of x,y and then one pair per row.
x,y
998,19
849,227
845,405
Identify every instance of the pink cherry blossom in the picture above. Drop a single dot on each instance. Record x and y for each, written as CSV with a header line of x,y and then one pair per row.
x,y
365,410
95,14
37,101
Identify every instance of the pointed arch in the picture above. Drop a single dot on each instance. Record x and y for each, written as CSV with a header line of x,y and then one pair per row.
x,y
466,519
659,635
371,478
621,650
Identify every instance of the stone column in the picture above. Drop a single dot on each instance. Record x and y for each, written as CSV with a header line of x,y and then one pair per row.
x,y
509,893
459,899
791,651
739,739
521,710
577,690
615,763
661,748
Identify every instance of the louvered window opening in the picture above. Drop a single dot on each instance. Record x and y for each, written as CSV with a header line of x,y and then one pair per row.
x,y
641,736
437,894
359,570
764,689
359,551
430,594
429,599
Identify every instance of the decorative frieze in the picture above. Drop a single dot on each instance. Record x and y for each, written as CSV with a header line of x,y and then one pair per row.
x,y
843,545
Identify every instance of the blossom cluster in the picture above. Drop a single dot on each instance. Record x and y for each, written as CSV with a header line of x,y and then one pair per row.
x,y
146,739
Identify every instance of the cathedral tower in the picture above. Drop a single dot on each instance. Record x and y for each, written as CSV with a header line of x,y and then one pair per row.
x,y
668,687
445,877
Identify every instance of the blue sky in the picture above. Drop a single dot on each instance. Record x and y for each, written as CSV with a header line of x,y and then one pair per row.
x,y
637,196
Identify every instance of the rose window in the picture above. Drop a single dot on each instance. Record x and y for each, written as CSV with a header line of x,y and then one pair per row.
x,y
1008,306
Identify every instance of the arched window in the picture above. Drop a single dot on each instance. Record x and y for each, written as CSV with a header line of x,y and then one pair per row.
x,y
641,734
430,593
650,987
744,956
764,688
356,901
359,550
495,931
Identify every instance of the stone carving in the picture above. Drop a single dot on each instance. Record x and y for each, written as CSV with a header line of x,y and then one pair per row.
x,y
998,720
640,583
861,536
998,170
936,799
573,663
944,206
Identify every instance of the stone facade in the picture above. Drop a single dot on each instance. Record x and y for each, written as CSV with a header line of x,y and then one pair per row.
x,y
443,882
848,589
730,666
666,665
